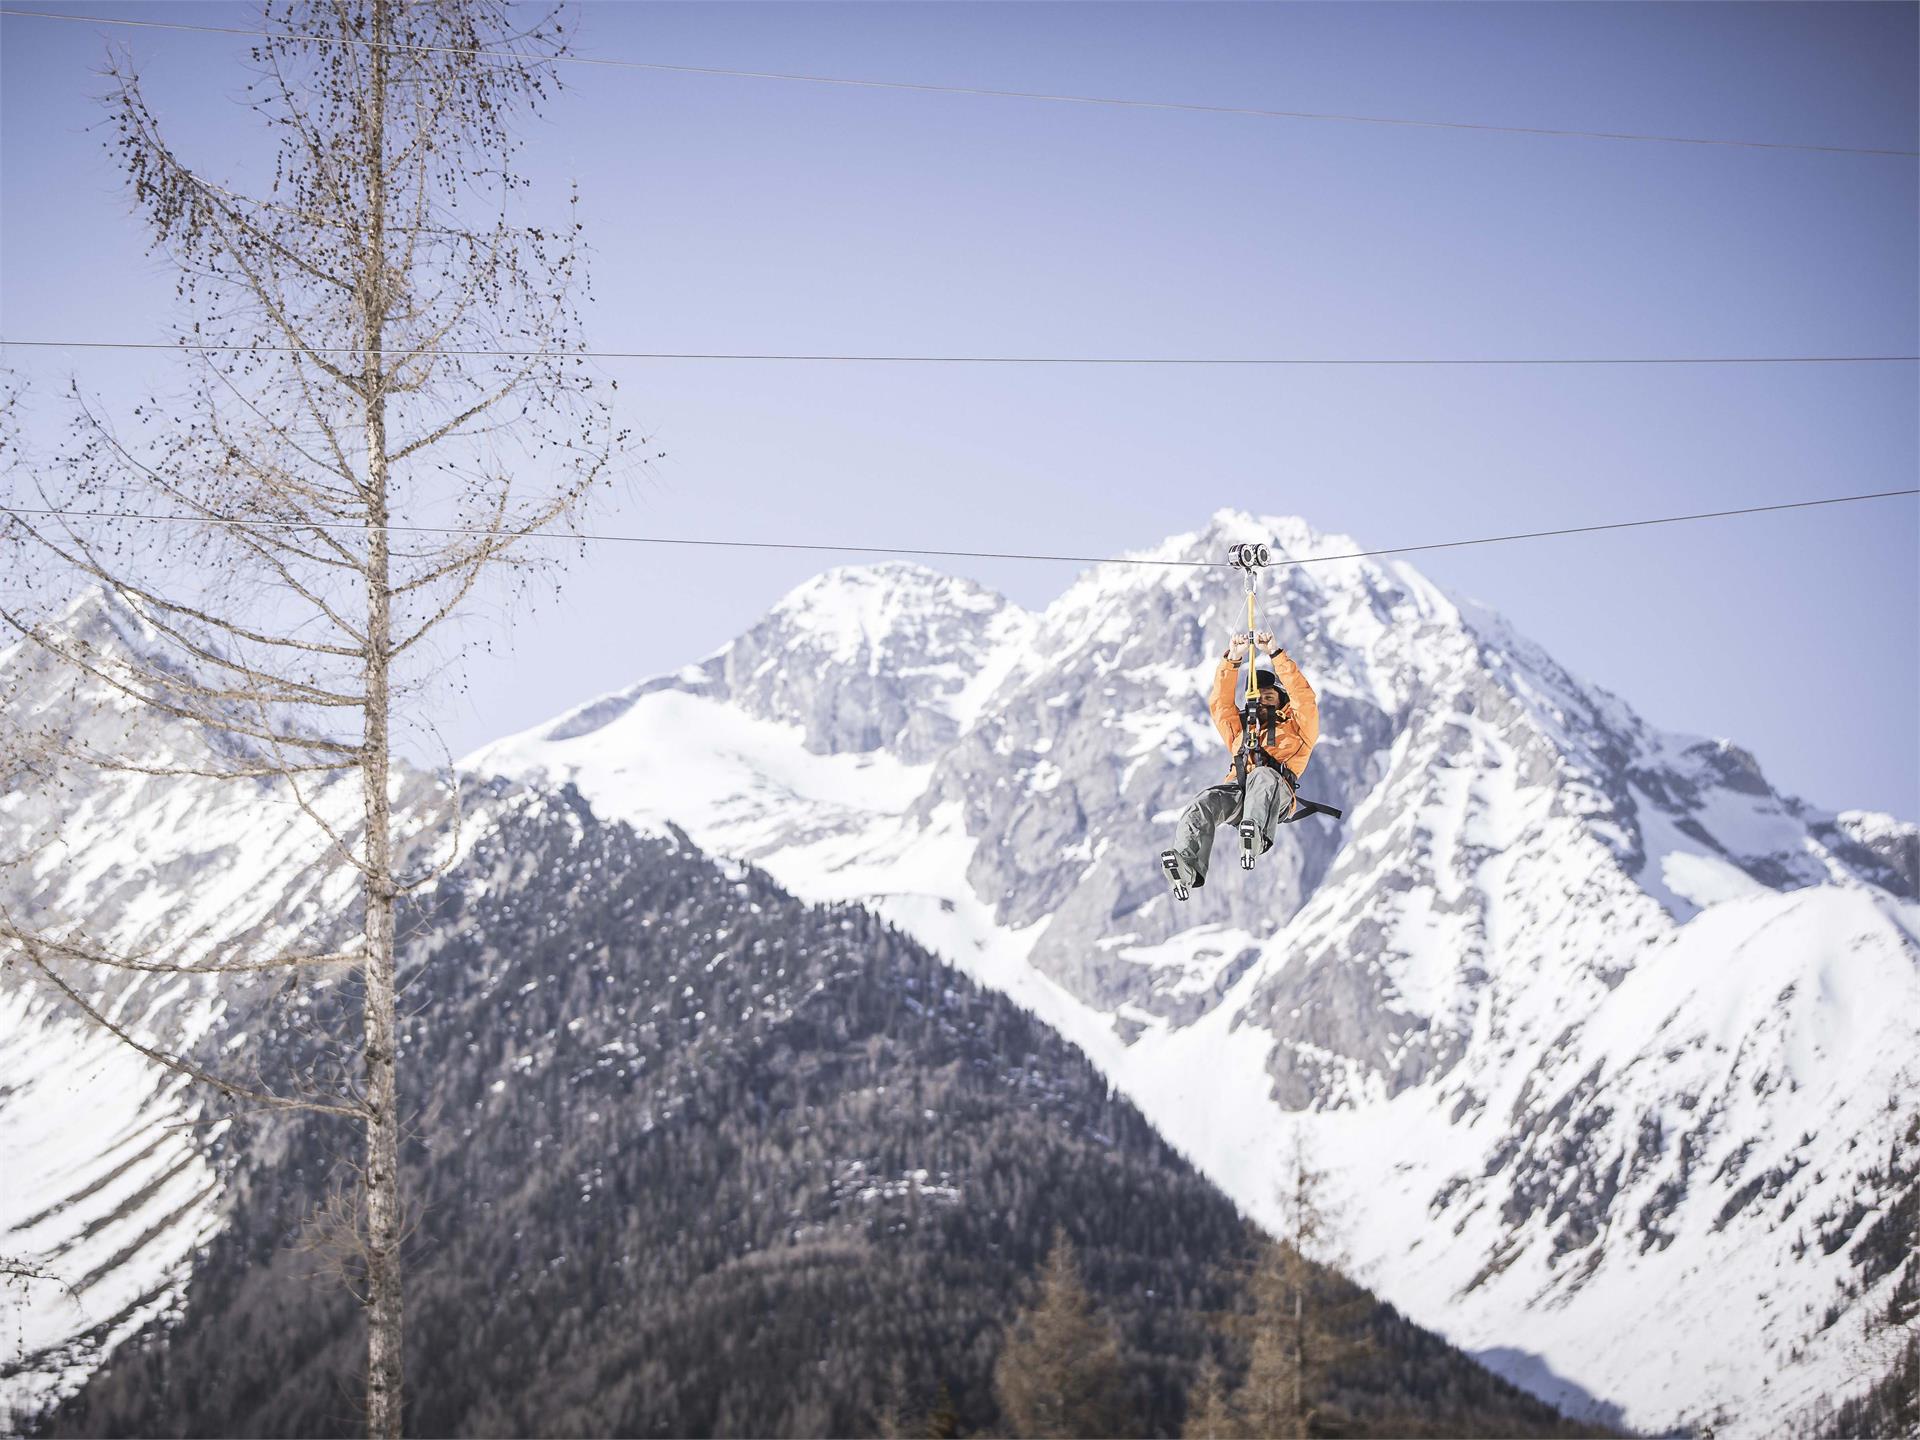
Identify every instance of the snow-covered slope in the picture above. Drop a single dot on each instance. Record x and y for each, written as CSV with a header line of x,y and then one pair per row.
x,y
1560,1000
104,1200
111,1181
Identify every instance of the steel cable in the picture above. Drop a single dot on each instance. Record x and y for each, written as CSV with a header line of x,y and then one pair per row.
x,y
820,547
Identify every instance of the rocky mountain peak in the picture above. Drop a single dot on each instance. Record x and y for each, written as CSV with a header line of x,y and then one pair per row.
x,y
1528,876
73,682
865,657
861,609
96,625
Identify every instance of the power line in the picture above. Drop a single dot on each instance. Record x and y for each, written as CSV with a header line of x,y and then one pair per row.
x,y
400,352
977,90
707,543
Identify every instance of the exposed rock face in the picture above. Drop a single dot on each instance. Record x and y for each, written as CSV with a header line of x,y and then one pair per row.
x,y
1498,992
1874,845
893,657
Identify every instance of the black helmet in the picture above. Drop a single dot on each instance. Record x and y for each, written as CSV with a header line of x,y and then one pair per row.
x,y
1265,679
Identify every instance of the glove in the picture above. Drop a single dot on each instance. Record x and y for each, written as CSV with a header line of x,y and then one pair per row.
x,y
1237,651
1265,641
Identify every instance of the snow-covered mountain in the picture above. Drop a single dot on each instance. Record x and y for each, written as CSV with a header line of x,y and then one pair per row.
x,y
699,1114
112,1181
1606,1040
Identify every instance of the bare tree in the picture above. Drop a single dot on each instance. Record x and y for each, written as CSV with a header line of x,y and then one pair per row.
x,y
1296,1329
1060,1371
383,401
1210,1414
1287,1364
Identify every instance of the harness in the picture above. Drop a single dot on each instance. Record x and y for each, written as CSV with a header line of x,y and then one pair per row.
x,y
1251,753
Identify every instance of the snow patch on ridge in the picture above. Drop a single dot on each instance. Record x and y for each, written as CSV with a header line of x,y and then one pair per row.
x,y
1706,880
711,768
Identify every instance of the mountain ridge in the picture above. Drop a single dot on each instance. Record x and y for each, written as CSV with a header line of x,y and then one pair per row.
x,y
692,1158
1508,1001
1518,844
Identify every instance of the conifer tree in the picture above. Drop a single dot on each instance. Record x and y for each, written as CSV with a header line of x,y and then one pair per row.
x,y
1210,1414
889,1418
1060,1372
1299,1331
1294,1328
1286,1368
943,1421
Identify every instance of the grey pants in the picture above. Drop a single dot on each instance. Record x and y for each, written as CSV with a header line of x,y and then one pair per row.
x,y
1266,803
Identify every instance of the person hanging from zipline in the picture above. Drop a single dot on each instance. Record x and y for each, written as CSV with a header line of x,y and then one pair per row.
x,y
1270,736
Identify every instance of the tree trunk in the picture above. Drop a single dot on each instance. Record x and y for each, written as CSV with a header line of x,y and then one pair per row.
x,y
1298,1408
383,1210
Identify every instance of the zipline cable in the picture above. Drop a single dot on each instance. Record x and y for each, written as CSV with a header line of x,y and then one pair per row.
x,y
397,352
975,90
1277,563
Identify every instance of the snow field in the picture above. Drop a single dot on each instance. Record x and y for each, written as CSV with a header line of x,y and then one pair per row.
x,y
102,1197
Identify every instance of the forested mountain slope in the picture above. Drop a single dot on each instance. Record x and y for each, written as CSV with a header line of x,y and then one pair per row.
x,y
692,1157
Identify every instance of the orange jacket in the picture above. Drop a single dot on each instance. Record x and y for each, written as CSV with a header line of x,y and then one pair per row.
x,y
1298,728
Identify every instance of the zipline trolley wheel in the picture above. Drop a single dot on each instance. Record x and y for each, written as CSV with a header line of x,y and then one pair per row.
x,y
1249,556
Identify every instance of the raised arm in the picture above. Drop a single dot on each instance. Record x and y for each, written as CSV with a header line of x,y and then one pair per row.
x,y
1306,705
1223,701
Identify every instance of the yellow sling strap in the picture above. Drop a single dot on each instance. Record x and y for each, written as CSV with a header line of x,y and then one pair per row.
x,y
1251,692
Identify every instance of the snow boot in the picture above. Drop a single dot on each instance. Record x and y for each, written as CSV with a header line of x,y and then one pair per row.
x,y
1249,843
1170,863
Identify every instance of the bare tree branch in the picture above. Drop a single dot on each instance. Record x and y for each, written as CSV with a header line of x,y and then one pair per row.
x,y
33,950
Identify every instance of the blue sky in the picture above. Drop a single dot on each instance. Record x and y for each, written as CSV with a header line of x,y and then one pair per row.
x,y
734,214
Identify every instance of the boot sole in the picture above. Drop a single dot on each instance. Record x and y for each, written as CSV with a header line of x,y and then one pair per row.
x,y
1170,867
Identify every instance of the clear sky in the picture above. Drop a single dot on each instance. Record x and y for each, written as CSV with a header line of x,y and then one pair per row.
x,y
736,214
